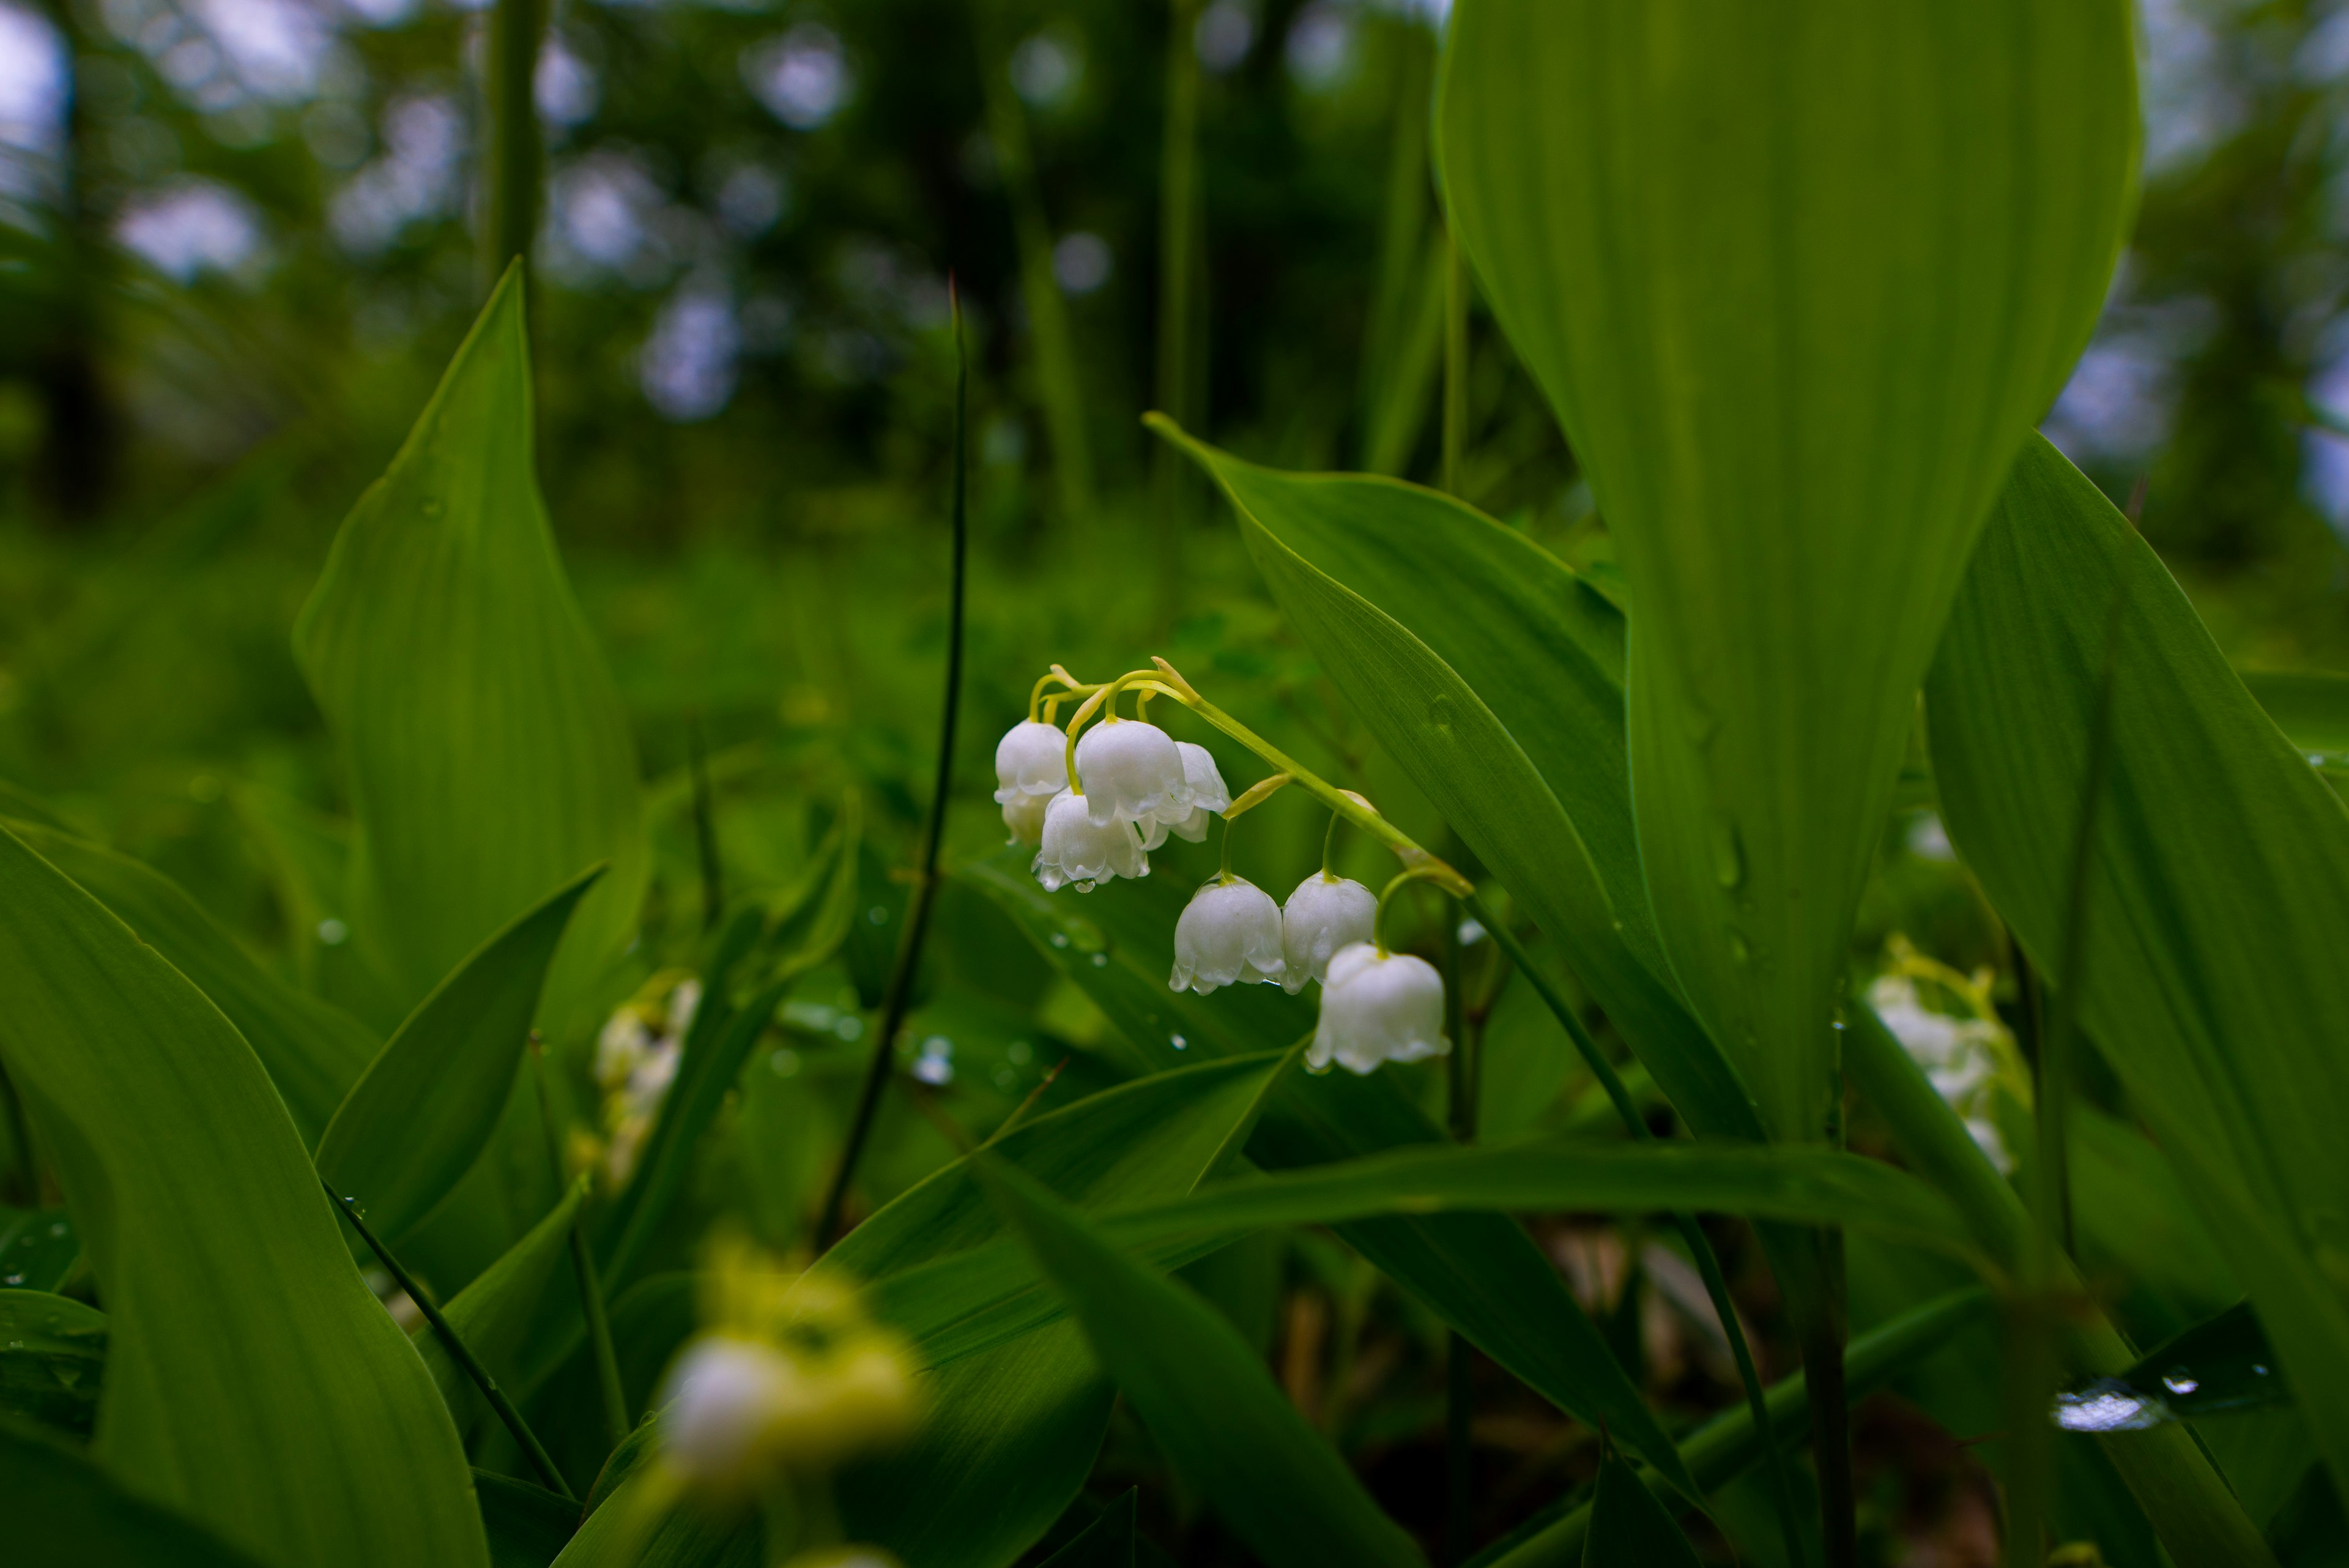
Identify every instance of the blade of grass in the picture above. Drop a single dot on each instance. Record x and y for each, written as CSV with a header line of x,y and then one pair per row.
x,y
925,888
538,1459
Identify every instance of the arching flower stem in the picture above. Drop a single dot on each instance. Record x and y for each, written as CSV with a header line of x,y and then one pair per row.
x,y
1329,843
1434,871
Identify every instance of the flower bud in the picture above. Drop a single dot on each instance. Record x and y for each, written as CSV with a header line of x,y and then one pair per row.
x,y
1208,796
1378,1007
1229,934
1023,818
1080,850
1326,913
721,1401
1032,759
1130,772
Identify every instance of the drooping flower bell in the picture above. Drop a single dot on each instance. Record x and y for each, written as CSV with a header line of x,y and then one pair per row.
x,y
1032,761
1209,796
1229,935
1130,772
1326,913
1023,818
1378,1007
1077,848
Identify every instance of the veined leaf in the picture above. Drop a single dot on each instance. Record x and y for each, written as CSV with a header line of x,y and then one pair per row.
x,y
61,1508
414,1124
252,1379
2218,894
314,1051
1628,1527
488,754
1796,283
1204,1394
1479,1272
1495,677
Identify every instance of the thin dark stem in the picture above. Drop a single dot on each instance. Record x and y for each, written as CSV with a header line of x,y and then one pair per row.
x,y
1459,1457
917,916
507,228
1824,1332
608,1387
704,826
1716,1284
539,1459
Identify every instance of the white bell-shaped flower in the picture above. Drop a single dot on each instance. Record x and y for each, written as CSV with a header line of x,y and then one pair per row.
x,y
1130,772
1378,1007
1080,850
1023,818
1229,934
722,1402
1326,913
1031,760
1208,796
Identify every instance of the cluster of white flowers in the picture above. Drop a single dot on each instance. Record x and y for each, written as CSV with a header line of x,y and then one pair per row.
x,y
637,1057
1134,786
1967,1059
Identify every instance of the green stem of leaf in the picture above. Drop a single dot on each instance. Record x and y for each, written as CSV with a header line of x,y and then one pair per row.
x,y
515,31
538,1459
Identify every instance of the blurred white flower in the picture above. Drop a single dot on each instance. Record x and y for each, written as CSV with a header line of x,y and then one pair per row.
x,y
1080,850
1967,1060
1032,759
1130,772
721,1398
1378,1007
1326,913
1229,935
1209,796
1023,818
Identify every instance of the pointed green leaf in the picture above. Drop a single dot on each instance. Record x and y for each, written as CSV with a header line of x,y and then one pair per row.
x,y
489,757
494,1314
52,1359
1628,1528
1495,677
252,1381
2217,895
314,1050
528,1526
424,1110
1205,1397
1796,283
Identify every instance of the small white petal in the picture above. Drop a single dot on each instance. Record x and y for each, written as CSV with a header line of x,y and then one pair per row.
x,y
1378,1008
1023,818
721,1400
1229,934
1130,772
1325,914
1032,759
1078,849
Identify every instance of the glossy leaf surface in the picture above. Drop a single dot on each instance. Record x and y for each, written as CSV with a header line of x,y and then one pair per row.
x,y
252,1379
1205,1396
1795,284
52,1359
314,1051
427,1105
2218,898
489,757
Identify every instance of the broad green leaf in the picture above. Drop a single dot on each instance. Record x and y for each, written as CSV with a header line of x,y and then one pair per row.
x,y
1628,1527
1204,1394
495,1312
2311,707
424,1110
1495,677
488,755
253,1380
314,1051
57,1510
1106,1543
528,1526
52,1359
1012,1431
308,856
1796,283
1480,1272
2217,903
